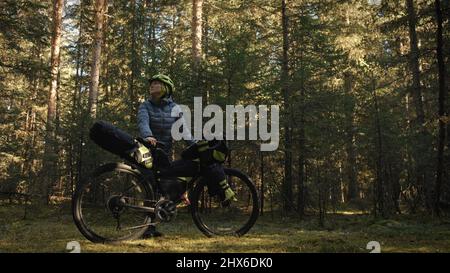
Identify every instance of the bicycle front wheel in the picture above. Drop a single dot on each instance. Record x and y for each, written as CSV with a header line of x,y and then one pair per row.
x,y
214,218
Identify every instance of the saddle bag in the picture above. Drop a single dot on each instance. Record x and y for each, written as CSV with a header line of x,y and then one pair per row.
x,y
120,143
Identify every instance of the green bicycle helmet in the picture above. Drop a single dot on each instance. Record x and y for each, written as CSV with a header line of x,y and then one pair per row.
x,y
164,79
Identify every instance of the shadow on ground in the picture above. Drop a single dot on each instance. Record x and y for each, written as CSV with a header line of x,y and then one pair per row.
x,y
50,229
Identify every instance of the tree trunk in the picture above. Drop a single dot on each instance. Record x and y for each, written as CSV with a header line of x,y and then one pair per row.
x,y
100,6
76,93
30,126
196,36
151,42
205,38
321,201
107,64
380,206
301,182
56,44
262,183
56,186
442,110
302,154
134,67
82,116
287,183
416,91
352,189
49,163
421,150
77,98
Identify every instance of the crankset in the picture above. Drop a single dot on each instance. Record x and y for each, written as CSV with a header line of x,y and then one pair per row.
x,y
165,210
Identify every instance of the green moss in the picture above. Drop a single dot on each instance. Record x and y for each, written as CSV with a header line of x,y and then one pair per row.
x,y
50,229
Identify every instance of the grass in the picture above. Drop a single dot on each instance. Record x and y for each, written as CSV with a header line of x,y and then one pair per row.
x,y
50,229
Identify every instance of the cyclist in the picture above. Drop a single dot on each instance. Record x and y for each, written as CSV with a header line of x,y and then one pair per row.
x,y
155,121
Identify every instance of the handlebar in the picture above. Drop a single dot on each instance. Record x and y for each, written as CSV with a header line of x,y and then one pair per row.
x,y
149,145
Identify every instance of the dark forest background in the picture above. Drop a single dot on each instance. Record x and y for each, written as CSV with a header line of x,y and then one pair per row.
x,y
362,86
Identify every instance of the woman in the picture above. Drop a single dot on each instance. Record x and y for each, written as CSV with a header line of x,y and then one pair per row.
x,y
155,122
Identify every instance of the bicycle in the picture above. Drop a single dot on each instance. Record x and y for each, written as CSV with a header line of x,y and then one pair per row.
x,y
119,201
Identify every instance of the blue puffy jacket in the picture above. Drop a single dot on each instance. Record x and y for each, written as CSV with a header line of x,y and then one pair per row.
x,y
155,120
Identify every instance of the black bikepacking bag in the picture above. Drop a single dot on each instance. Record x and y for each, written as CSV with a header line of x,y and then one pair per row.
x,y
209,152
120,143
112,139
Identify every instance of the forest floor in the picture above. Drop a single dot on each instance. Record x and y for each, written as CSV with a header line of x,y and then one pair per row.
x,y
50,229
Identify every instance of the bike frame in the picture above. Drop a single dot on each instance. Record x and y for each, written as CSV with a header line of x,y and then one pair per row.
x,y
150,176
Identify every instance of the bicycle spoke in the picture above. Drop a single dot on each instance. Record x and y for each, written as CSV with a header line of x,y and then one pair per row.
x,y
112,206
137,227
213,217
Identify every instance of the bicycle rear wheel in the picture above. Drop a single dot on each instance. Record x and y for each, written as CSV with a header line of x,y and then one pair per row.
x,y
236,218
102,204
